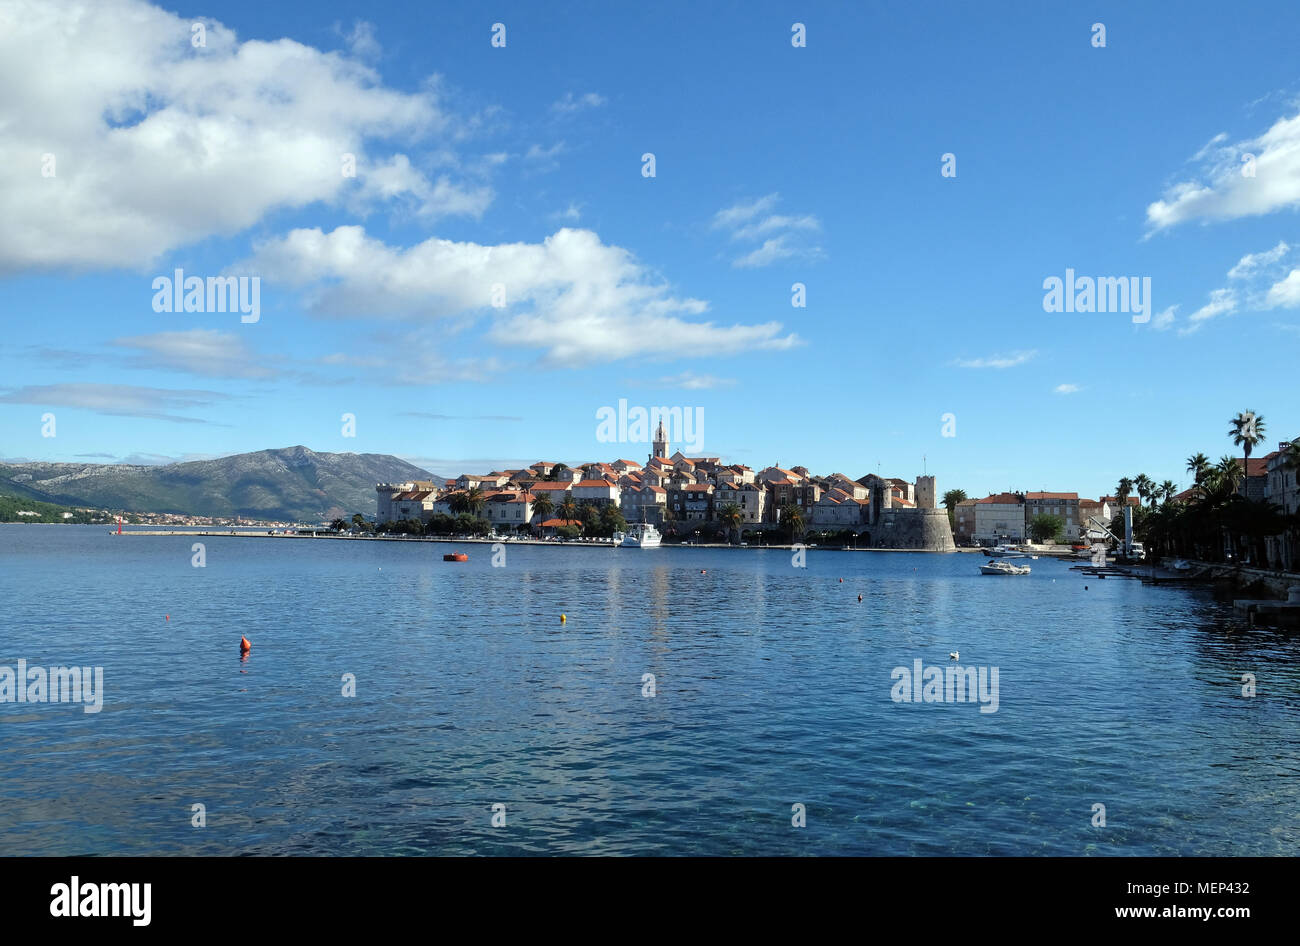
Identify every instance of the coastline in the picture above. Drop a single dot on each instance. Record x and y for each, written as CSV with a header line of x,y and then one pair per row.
x,y
602,543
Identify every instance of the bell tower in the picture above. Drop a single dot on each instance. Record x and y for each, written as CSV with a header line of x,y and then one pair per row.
x,y
660,447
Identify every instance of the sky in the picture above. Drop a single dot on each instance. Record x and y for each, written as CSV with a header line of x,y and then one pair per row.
x,y
506,260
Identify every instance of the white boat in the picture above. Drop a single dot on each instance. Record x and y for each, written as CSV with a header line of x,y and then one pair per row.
x,y
618,538
1004,551
1004,568
641,535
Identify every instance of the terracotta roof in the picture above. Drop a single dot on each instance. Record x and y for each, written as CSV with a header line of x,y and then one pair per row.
x,y
589,483
552,487
556,523
1258,466
1011,498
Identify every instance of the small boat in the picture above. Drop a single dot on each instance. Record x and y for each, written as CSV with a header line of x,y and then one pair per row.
x,y
1004,551
619,537
642,535
1181,565
455,557
1003,568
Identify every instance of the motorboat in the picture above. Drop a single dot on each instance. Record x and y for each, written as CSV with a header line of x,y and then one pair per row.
x,y
1003,568
455,557
641,535
618,538
1004,551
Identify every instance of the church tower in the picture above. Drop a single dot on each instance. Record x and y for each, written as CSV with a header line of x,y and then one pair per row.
x,y
660,448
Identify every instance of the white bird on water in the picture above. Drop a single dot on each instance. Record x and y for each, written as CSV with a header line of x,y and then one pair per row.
x,y
954,655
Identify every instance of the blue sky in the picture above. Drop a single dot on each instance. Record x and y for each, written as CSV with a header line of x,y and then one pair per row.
x,y
522,165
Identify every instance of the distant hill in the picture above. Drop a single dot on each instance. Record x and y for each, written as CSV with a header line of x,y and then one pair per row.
x,y
289,484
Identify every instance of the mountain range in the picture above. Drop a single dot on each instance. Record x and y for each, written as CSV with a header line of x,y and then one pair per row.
x,y
288,484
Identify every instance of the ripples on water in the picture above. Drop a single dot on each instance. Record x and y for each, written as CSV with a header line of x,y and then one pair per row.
x,y
773,687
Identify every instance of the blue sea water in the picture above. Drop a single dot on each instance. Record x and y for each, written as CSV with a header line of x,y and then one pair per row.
x,y
772,688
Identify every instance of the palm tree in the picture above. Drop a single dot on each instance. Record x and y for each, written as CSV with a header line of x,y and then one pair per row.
x,y
543,507
1144,486
1167,490
1198,464
730,516
1123,490
474,501
1247,430
951,499
1223,479
568,509
793,517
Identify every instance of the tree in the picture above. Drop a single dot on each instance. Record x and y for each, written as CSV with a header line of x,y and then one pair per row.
x,y
730,517
338,525
611,520
1225,478
543,507
568,509
458,502
1167,490
474,501
792,520
1247,430
950,500
1124,490
590,516
1198,464
1144,487
1045,527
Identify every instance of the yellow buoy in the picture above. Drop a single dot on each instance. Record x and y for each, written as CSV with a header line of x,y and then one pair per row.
x,y
563,618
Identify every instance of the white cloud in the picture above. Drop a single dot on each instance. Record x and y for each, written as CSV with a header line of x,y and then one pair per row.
x,y
1067,388
771,251
1008,360
571,296
361,40
158,144
753,220
538,153
696,382
1251,263
205,352
573,212
115,399
1284,294
1222,192
1164,319
572,103
1222,302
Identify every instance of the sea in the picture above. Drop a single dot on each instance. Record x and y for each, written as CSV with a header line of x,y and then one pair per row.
x,y
540,700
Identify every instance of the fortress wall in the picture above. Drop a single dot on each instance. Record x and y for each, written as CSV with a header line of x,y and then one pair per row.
x,y
913,529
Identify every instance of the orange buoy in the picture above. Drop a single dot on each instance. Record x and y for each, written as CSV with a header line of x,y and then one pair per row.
x,y
841,581
455,557
244,645
563,618
167,617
